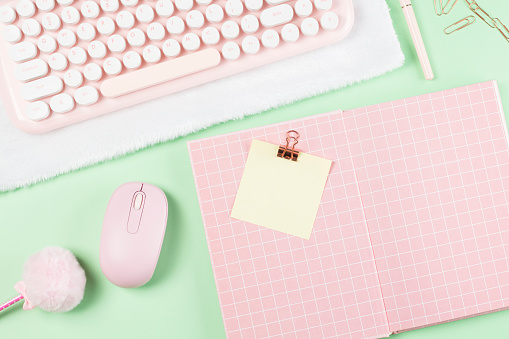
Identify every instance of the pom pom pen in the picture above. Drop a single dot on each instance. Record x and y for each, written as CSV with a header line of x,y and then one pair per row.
x,y
53,280
408,11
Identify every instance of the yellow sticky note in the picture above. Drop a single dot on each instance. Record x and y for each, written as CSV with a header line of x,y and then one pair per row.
x,y
278,193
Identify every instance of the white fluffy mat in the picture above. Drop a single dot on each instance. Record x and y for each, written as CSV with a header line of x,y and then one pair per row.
x,y
371,49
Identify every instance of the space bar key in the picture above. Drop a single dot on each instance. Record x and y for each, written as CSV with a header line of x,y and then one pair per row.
x,y
157,74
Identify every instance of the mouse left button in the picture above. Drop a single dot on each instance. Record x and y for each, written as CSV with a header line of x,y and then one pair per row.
x,y
138,200
137,203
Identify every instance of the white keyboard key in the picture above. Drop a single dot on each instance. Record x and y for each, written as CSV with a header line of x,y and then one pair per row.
x,y
70,15
254,5
51,21
191,42
93,72
132,60
309,27
175,25
249,24
47,44
156,31
96,49
151,54
323,5
73,78
23,51
65,2
125,20
116,43
57,61
231,51
86,95
136,37
25,8
12,34
37,111
31,70
77,56
112,66
45,5
7,15
303,8
276,2
290,33
41,88
66,38
184,5
110,6
210,36
145,14
105,26
203,2
270,38
234,8
171,48
160,73
86,32
62,103
31,27
329,21
90,9
129,3
250,45
164,8
195,19
275,16
230,29
214,13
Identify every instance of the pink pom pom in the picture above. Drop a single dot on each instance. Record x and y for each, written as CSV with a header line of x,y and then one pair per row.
x,y
52,280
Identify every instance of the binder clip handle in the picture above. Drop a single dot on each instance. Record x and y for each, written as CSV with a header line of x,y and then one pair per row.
x,y
285,151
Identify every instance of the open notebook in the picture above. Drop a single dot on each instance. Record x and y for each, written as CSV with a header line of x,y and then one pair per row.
x,y
412,229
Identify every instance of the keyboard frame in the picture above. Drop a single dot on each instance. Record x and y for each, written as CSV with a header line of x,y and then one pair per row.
x,y
15,105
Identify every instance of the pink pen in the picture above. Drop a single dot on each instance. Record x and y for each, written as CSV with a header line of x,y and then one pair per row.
x,y
406,5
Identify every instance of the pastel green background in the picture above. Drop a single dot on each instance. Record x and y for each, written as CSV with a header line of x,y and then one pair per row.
x,y
180,301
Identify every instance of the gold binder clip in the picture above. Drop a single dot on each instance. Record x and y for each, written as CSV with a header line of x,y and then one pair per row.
x,y
460,24
285,151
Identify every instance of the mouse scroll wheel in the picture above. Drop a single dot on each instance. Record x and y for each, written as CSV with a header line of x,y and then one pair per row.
x,y
138,201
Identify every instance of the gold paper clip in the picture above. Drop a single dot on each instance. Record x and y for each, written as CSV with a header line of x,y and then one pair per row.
x,y
502,28
285,151
460,24
446,9
481,13
438,10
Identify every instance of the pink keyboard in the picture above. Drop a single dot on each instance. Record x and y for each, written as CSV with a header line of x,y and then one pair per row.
x,y
65,61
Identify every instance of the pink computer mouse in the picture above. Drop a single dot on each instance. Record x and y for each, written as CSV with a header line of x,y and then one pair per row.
x,y
133,233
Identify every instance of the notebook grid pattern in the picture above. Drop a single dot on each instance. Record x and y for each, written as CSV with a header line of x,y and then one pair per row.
x,y
444,260
274,285
411,230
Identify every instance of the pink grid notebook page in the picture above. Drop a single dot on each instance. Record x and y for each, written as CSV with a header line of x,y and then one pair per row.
x,y
433,172
412,230
271,284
